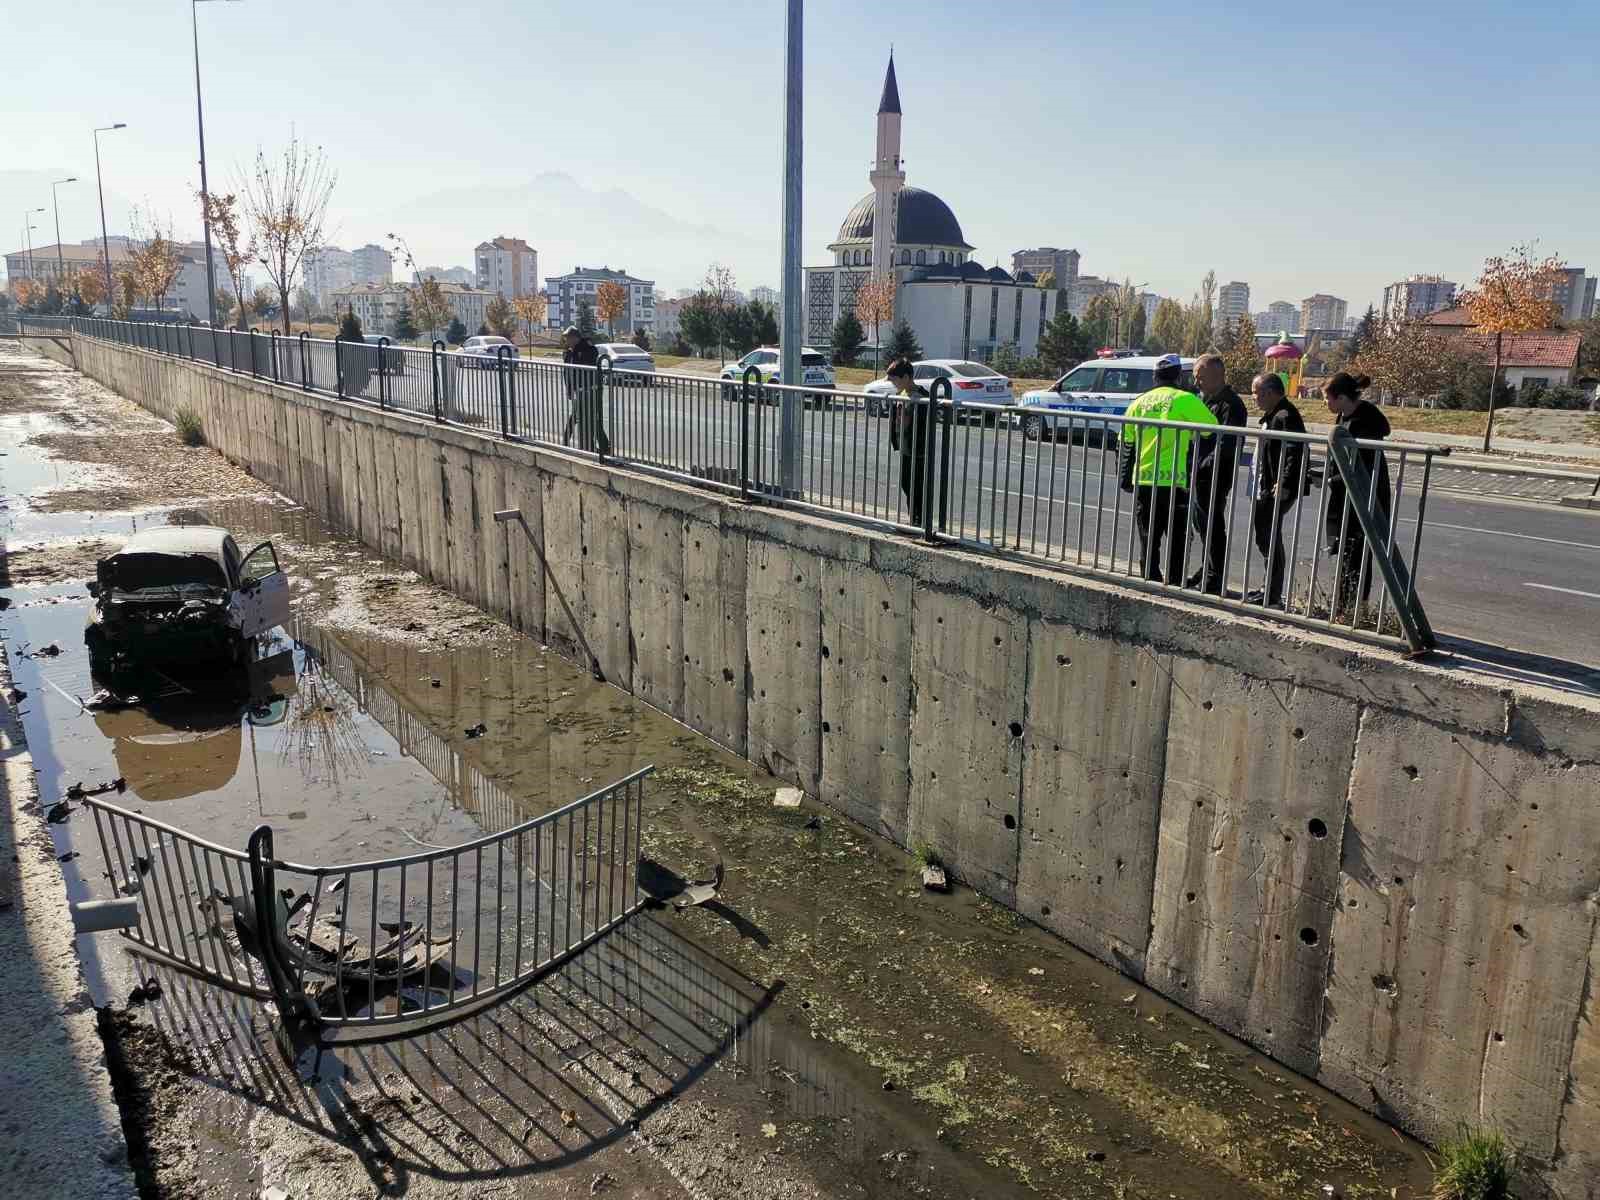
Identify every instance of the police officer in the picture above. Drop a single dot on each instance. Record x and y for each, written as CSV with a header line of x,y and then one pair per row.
x,y
584,392
1213,473
1156,468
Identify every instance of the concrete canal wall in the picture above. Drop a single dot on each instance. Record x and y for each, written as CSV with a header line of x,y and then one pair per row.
x,y
1384,874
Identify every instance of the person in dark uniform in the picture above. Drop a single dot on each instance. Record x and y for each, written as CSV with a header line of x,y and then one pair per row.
x,y
1280,476
1214,459
1346,540
584,391
908,433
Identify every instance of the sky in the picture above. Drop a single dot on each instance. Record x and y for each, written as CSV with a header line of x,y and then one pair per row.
x,y
1326,148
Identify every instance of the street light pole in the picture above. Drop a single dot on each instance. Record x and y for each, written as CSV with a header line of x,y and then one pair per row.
x,y
790,349
105,240
27,233
61,262
205,190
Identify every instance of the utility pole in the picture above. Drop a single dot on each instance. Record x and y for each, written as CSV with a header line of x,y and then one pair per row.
x,y
61,262
205,190
790,367
105,241
27,233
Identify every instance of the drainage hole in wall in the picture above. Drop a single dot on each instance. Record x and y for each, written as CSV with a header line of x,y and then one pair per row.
x,y
1399,881
1063,661
1412,772
1317,828
1308,936
1045,911
1519,931
826,653
1207,705
1189,896
1299,733
1016,729
1011,822
827,728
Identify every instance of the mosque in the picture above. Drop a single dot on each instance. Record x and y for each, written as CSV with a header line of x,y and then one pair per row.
x,y
958,308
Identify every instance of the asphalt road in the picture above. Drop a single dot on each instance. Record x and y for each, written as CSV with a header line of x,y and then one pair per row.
x,y
1507,573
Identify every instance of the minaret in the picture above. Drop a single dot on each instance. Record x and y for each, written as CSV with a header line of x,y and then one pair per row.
x,y
887,177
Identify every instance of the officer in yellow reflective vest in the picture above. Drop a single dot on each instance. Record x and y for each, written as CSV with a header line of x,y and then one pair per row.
x,y
1156,465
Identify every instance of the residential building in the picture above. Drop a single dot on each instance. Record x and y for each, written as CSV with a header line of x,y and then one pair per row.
x,y
1574,294
1322,312
465,276
956,307
1351,324
567,292
1063,264
186,297
377,305
669,318
1151,302
371,264
1233,302
326,270
771,297
1543,358
1416,297
1084,289
509,267
1279,317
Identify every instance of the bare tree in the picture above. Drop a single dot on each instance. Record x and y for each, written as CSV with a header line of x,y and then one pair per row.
x,y
238,251
287,203
722,295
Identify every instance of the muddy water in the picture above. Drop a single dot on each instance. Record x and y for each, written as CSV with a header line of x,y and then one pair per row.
x,y
825,1028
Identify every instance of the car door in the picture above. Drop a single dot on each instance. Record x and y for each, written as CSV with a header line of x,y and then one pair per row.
x,y
263,592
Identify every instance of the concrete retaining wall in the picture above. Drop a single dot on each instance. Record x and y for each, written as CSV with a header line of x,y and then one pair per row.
x,y
1384,874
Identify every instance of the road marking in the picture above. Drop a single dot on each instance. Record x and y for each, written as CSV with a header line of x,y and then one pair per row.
x,y
1550,587
1527,537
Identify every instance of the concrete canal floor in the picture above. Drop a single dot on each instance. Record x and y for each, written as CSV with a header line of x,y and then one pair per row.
x,y
826,1029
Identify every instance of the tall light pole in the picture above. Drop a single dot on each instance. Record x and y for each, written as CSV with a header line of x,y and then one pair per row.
x,y
205,190
790,343
105,240
27,233
61,262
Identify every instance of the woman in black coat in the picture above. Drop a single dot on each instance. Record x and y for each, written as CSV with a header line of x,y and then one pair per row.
x,y
908,434
1346,541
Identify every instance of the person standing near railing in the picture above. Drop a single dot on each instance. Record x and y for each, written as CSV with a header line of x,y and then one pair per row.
x,y
583,391
1155,466
1215,459
908,433
1346,540
1280,481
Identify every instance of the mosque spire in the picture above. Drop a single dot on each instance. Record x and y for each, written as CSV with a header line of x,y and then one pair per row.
x,y
890,103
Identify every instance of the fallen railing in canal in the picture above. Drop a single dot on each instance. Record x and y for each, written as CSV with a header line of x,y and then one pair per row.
x,y
333,946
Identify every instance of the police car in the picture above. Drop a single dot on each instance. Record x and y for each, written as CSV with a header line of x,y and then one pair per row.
x,y
1101,386
814,369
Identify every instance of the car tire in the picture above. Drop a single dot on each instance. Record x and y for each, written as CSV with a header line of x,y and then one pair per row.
x,y
1033,428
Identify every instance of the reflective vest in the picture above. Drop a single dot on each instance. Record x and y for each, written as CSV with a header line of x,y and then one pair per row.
x,y
1162,455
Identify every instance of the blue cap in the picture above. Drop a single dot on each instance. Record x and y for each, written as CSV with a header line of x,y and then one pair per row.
x,y
1168,360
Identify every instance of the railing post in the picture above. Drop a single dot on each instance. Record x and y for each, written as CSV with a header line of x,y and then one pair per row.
x,y
383,377
233,361
435,365
750,374
602,368
305,365
929,450
338,367
252,344
501,354
265,907
272,345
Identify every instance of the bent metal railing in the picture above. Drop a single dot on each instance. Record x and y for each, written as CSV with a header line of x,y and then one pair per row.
x,y
370,950
1023,480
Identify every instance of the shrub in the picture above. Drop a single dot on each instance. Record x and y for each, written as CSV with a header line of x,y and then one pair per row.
x,y
187,422
1473,1165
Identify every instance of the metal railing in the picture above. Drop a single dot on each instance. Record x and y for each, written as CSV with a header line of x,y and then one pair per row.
x,y
1019,480
370,950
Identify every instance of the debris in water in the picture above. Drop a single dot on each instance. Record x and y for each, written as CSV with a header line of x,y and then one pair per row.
x,y
787,797
477,730
49,651
1130,997
933,878
569,1118
77,791
1035,970
142,992
16,696
438,683
58,813
702,890
68,856
769,1130
105,700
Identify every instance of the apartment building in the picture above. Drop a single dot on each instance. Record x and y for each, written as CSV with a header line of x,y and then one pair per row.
x,y
509,267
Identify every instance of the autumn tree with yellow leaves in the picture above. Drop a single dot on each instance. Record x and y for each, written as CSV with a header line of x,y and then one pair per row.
x,y
1515,293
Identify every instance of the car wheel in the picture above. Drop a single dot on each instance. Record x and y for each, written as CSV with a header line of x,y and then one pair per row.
x,y
1032,428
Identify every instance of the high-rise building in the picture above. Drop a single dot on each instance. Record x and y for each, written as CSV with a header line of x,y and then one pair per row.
x,y
465,276
508,267
1084,289
1233,302
371,264
1322,312
1063,264
568,292
1414,298
771,297
1574,294
1280,317
1151,302
326,270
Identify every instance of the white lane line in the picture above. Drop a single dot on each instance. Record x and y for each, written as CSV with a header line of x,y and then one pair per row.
x,y
1527,537
1550,587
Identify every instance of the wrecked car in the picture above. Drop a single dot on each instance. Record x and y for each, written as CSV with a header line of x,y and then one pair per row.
x,y
182,596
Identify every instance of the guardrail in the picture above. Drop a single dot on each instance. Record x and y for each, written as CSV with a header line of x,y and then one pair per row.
x,y
371,950
1002,478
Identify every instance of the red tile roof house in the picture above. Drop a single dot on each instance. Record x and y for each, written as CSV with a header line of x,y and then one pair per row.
x,y
1544,358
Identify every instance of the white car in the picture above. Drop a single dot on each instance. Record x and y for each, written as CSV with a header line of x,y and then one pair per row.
x,y
625,356
482,350
183,595
1101,385
970,383
815,369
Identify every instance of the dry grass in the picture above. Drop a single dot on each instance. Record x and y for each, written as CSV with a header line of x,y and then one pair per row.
x,y
1436,420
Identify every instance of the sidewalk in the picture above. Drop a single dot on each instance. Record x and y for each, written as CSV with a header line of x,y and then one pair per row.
x,y
1507,451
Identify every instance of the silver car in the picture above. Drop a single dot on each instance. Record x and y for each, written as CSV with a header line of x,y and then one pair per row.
x,y
626,357
482,350
971,384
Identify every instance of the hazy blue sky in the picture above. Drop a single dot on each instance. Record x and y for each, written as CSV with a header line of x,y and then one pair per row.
x,y
1330,148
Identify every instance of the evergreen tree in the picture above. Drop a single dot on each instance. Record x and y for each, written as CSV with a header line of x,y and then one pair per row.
x,y
699,322
1006,359
349,327
765,318
457,333
903,342
1136,337
641,339
1367,331
1099,320
405,325
1061,345
739,328
586,318
848,338
1168,330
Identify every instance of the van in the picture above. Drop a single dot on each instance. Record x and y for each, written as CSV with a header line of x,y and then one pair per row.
x,y
1099,386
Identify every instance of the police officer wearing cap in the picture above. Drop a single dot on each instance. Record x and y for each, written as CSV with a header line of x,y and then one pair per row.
x,y
1156,468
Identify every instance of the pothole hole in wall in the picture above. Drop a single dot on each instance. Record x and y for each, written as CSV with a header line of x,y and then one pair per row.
x,y
1207,705
1016,729
1299,734
1011,822
1411,772
1308,935
1316,827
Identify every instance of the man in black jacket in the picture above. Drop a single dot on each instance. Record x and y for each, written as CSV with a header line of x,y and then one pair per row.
x,y
1214,459
584,392
1280,481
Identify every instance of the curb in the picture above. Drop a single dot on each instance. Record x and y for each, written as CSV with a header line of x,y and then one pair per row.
x,y
1581,500
63,1135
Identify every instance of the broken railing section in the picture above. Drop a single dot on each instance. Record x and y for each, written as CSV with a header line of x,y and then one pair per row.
x,y
371,950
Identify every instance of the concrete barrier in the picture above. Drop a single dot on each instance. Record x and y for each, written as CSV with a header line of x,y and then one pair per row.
x,y
1384,874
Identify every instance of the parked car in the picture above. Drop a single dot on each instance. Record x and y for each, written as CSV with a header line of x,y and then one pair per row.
x,y
970,383
385,360
815,371
182,595
481,351
625,356
1101,385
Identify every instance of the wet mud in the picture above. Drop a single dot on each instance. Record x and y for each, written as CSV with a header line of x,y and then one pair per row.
x,y
823,1027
